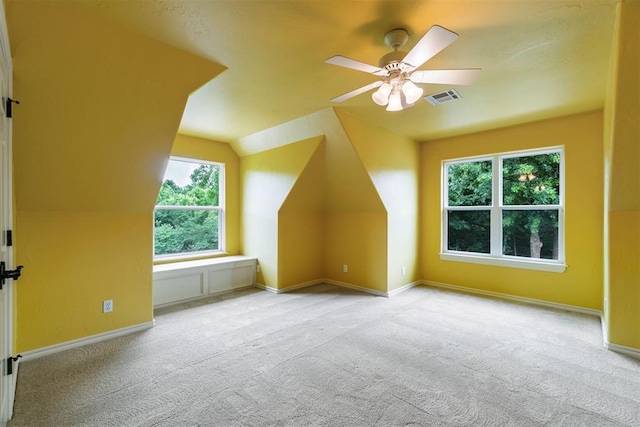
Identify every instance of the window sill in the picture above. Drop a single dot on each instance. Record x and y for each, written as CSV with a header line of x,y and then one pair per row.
x,y
165,259
203,263
554,267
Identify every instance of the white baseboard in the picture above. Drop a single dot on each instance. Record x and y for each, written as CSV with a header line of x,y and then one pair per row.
x,y
533,301
618,348
336,283
289,288
68,345
266,288
623,349
605,335
356,287
402,288
318,282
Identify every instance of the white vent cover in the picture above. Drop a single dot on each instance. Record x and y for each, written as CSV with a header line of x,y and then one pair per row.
x,y
443,97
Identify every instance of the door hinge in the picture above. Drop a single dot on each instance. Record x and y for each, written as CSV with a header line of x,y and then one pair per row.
x,y
9,274
9,238
10,361
8,107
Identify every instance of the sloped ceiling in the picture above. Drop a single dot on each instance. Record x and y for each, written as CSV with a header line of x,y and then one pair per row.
x,y
540,58
98,123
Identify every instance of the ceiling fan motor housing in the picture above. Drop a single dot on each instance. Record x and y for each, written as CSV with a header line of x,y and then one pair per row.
x,y
395,39
391,61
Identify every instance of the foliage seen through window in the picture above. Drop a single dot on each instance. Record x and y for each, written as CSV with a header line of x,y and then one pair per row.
x,y
529,213
188,213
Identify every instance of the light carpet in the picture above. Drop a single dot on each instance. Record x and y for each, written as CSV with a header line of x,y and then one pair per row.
x,y
327,356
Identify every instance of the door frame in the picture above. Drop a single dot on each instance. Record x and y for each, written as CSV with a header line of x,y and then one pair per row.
x,y
6,192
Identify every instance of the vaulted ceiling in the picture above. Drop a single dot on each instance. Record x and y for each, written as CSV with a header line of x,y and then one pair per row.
x,y
539,58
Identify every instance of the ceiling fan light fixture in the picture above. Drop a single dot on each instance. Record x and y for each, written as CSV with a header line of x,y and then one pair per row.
x,y
411,92
381,96
395,101
406,105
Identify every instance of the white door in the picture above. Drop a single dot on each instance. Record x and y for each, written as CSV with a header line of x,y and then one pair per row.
x,y
6,317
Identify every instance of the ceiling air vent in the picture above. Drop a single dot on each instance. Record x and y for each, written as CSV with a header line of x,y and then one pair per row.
x,y
443,97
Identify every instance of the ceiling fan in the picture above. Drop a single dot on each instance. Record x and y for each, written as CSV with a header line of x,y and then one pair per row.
x,y
397,89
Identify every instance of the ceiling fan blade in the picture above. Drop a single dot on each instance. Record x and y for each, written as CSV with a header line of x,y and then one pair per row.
x,y
343,61
446,77
357,92
436,39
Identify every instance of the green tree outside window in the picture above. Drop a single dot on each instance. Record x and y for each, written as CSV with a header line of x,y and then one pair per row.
x,y
187,218
529,212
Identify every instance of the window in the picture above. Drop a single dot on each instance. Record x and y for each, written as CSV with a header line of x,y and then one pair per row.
x,y
189,214
505,209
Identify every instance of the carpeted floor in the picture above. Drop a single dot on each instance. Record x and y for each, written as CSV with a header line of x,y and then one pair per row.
x,y
326,356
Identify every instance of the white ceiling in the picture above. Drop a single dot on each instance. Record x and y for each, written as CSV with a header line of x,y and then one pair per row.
x,y
540,58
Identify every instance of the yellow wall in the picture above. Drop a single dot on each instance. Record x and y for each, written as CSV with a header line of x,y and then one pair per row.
x,y
353,224
213,151
301,226
75,260
100,106
355,217
581,283
392,163
300,247
622,182
359,240
267,178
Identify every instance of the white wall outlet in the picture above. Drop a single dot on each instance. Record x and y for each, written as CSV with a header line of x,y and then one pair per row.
x,y
257,268
107,306
404,271
345,268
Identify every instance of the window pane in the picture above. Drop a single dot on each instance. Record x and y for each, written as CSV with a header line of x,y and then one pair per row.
x,y
531,234
179,231
189,184
531,180
469,184
469,231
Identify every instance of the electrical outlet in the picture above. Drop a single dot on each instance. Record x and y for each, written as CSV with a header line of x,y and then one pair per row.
x,y
107,306
404,271
345,268
258,268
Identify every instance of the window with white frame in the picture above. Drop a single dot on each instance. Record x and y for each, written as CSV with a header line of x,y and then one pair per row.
x,y
189,212
505,209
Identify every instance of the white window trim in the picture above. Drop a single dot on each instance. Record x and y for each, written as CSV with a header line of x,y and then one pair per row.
x,y
221,217
495,257
504,261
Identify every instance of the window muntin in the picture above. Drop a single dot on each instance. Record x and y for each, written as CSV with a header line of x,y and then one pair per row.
x,y
505,207
189,214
